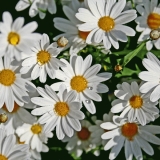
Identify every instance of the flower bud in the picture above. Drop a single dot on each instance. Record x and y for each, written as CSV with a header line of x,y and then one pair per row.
x,y
3,118
62,42
154,34
118,68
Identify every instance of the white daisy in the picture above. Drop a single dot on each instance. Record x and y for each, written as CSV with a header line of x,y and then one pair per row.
x,y
37,6
41,60
97,131
151,77
133,104
60,111
76,38
148,21
80,141
105,22
9,150
130,135
34,135
15,37
82,78
12,85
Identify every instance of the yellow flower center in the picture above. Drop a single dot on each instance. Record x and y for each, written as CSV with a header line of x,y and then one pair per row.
x,y
36,129
3,157
153,21
78,83
61,108
136,102
83,35
13,38
106,23
7,77
84,134
43,57
3,118
15,109
129,130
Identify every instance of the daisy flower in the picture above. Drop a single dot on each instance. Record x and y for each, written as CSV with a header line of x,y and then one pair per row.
x,y
79,76
37,6
34,135
148,21
97,131
15,37
104,22
42,60
151,77
133,104
76,38
80,141
130,135
9,149
58,110
12,85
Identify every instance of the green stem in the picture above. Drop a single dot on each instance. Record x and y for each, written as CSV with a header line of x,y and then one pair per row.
x,y
30,1
133,5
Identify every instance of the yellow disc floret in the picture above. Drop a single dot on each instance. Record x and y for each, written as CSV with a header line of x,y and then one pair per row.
x,y
3,157
43,57
136,102
83,35
106,23
36,129
61,108
13,38
7,77
153,21
78,83
84,134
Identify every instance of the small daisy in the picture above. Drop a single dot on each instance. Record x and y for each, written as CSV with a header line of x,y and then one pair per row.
x,y
148,21
15,37
104,22
97,131
37,6
80,141
151,77
34,135
76,38
130,135
42,60
79,76
9,150
12,85
133,104
60,111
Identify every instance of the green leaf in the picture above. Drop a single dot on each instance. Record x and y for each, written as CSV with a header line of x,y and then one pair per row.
x,y
56,148
75,157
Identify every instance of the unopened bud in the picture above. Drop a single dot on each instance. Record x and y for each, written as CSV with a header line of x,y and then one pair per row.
x,y
62,42
118,68
155,34
3,118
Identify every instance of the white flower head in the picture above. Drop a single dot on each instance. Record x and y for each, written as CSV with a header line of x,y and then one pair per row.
x,y
97,131
34,135
133,104
10,150
130,135
58,110
105,22
15,37
148,21
81,140
151,77
37,6
41,60
13,88
79,76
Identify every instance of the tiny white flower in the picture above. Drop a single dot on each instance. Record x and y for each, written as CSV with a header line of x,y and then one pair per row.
x,y
15,37
80,76
60,111
37,6
81,140
130,135
34,135
133,104
148,21
97,131
41,60
104,22
151,77
13,88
